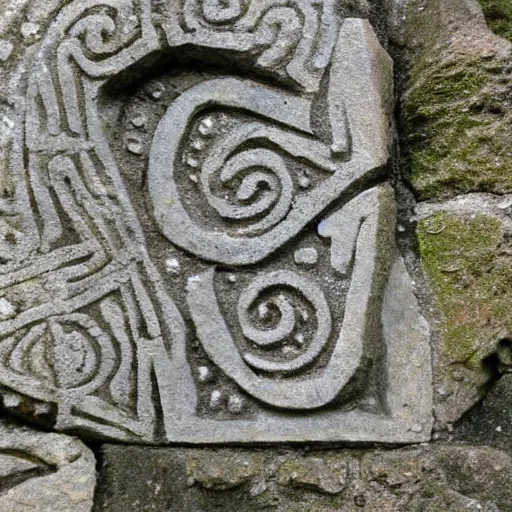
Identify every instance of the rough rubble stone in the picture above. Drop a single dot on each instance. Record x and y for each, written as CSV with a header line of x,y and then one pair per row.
x,y
197,231
320,474
466,257
44,472
439,478
456,105
490,422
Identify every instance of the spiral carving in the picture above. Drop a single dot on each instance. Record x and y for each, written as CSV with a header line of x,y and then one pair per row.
x,y
103,34
99,331
279,297
309,292
263,181
289,24
106,32
289,38
265,187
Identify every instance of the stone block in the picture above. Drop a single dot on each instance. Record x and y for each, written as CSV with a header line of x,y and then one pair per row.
x,y
439,477
464,249
44,472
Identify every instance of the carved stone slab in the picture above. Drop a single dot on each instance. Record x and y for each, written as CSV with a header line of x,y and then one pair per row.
x,y
207,256
42,472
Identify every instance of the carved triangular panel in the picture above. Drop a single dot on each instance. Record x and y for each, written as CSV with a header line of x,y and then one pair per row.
x,y
200,241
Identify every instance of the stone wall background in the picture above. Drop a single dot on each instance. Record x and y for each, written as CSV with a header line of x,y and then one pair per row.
x,y
453,174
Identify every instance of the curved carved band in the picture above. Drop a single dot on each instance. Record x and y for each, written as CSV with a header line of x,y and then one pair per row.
x,y
376,218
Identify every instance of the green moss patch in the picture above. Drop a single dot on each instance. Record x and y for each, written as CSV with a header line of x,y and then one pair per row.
x,y
467,261
456,107
498,14
456,120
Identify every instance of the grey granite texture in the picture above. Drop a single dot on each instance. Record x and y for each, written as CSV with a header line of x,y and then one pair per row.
x,y
198,246
43,472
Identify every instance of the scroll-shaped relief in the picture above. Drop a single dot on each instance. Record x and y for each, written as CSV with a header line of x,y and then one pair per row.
x,y
266,189
268,201
281,382
220,268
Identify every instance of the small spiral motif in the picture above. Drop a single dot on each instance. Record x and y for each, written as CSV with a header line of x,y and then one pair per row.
x,y
263,178
268,338
98,29
269,182
105,34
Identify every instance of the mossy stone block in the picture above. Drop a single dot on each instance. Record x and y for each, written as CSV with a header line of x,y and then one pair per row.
x,y
467,262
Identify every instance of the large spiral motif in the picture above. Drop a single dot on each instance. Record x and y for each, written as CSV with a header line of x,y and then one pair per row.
x,y
280,282
280,296
265,188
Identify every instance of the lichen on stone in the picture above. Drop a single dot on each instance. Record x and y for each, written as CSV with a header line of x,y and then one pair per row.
x,y
467,262
456,106
318,474
219,471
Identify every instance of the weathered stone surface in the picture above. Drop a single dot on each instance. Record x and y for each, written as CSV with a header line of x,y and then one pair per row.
x,y
220,473
197,234
490,421
6,48
465,252
456,102
316,473
440,478
197,245
44,472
